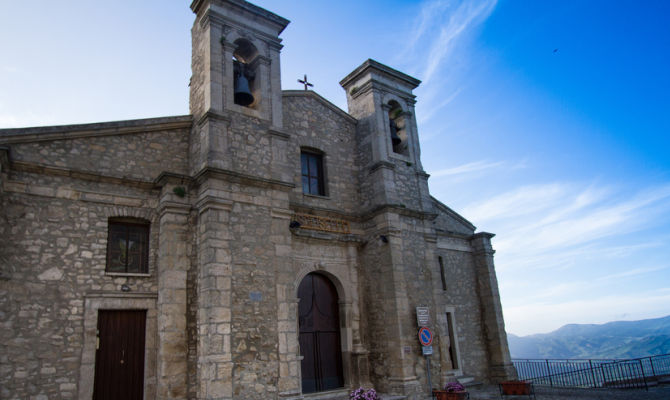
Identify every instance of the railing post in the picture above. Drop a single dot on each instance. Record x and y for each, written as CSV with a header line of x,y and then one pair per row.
x,y
549,374
644,378
593,375
651,361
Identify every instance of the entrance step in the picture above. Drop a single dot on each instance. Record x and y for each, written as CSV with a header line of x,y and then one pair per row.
x,y
339,394
468,381
343,394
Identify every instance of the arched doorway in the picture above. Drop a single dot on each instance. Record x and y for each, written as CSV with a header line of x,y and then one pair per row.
x,y
319,321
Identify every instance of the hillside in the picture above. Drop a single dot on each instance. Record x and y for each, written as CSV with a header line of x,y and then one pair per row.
x,y
620,339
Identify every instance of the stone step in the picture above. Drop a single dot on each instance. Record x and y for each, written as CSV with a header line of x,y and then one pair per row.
x,y
468,381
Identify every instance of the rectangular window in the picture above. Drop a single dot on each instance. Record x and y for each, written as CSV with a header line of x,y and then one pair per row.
x,y
312,173
128,247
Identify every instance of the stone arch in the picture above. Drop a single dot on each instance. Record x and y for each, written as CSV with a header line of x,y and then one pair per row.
x,y
320,331
398,127
343,292
246,73
131,212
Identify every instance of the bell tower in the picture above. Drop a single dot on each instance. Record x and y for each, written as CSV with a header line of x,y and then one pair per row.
x,y
235,73
381,99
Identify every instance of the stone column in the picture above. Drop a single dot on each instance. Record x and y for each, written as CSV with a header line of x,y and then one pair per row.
x,y
173,265
214,358
500,363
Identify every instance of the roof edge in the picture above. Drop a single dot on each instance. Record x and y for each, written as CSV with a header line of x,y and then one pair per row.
x,y
453,214
110,128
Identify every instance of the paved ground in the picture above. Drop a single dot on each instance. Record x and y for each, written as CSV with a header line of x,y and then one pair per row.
x,y
547,393
486,392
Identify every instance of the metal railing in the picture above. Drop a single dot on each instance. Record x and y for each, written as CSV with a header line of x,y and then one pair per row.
x,y
604,373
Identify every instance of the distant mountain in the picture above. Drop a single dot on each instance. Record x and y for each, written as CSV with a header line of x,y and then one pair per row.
x,y
620,339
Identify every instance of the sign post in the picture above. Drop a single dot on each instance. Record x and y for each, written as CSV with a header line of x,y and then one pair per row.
x,y
426,340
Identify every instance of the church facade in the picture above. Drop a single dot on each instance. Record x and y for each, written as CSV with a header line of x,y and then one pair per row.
x,y
266,246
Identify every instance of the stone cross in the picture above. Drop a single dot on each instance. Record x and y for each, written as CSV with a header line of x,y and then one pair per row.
x,y
304,82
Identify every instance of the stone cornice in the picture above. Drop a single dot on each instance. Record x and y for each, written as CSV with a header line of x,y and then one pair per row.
x,y
400,209
453,235
83,175
170,177
371,65
279,134
165,207
318,235
328,212
381,164
252,9
212,115
210,202
238,177
128,295
115,128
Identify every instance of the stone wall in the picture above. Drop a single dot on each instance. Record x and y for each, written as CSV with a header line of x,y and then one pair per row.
x,y
55,253
462,293
139,149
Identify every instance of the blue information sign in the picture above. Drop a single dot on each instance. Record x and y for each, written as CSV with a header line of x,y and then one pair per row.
x,y
425,336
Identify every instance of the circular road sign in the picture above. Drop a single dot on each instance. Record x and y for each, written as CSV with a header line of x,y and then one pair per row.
x,y
425,336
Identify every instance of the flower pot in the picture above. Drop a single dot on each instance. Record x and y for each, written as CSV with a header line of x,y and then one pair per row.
x,y
444,395
515,388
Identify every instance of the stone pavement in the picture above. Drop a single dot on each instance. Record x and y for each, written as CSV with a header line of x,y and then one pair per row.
x,y
548,393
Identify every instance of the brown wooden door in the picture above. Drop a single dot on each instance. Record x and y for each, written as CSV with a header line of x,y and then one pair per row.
x,y
119,359
319,334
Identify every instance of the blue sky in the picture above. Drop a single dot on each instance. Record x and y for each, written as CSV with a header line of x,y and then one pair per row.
x,y
545,122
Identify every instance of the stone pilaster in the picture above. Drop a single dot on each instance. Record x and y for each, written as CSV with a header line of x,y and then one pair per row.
x,y
500,363
173,266
214,358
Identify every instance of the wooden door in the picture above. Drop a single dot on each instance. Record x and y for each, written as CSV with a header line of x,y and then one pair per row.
x,y
119,358
319,322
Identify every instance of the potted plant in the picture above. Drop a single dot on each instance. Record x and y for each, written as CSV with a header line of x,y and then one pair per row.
x,y
451,391
364,394
516,388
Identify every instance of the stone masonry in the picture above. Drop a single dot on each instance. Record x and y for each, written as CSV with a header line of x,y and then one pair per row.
x,y
221,191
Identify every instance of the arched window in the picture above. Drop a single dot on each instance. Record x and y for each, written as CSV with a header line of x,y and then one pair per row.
x,y
245,68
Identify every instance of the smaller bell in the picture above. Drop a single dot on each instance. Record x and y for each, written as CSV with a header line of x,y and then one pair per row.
x,y
395,139
243,95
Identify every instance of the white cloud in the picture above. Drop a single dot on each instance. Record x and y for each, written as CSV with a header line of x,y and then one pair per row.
x,y
538,218
436,36
475,166
464,17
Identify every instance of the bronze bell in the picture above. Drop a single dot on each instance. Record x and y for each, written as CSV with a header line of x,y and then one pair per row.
x,y
395,139
243,95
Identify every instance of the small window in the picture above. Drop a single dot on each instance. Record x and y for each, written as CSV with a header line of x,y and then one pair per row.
x,y
128,247
312,173
453,353
443,273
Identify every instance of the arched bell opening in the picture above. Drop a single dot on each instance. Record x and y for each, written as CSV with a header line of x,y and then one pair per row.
x,y
319,334
245,74
397,128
